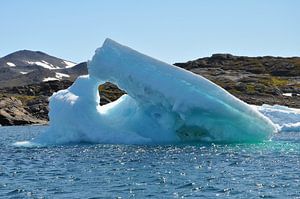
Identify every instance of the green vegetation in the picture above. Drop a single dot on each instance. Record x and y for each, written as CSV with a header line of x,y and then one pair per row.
x,y
250,88
279,82
276,81
25,98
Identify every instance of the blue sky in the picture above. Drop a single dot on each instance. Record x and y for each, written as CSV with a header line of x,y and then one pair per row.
x,y
170,30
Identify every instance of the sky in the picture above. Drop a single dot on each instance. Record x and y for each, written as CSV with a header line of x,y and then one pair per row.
x,y
169,30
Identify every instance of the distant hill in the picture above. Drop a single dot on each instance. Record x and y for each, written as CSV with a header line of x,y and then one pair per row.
x,y
255,80
26,67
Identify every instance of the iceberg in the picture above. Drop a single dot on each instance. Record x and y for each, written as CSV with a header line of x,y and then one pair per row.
x,y
163,104
286,119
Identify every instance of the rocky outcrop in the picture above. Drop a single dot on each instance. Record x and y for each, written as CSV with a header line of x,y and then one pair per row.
x,y
255,80
12,112
28,104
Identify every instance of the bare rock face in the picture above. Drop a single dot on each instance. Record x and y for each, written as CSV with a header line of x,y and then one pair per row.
x,y
12,112
28,104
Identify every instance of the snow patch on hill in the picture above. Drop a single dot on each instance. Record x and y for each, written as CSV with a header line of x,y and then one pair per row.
x,y
11,64
47,79
61,75
69,64
43,64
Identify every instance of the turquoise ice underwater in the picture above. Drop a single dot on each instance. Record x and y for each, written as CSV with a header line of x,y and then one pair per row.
x,y
163,104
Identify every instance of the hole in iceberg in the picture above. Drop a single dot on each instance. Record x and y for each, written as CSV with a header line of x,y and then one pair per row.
x,y
109,92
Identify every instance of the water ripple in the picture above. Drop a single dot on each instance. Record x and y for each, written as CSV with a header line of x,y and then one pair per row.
x,y
263,170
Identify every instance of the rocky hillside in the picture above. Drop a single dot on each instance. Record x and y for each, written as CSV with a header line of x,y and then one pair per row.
x,y
256,80
37,58
30,67
28,104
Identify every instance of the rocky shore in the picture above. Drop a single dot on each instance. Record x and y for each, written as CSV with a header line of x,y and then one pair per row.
x,y
255,80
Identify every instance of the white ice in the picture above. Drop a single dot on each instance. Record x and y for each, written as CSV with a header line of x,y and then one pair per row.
x,y
286,119
164,104
11,64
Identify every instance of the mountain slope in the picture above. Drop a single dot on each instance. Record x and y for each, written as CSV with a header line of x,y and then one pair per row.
x,y
32,58
31,67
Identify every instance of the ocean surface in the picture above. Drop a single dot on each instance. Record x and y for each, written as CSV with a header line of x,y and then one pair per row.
x,y
263,170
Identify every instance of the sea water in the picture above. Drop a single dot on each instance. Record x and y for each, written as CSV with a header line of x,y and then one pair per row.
x,y
263,170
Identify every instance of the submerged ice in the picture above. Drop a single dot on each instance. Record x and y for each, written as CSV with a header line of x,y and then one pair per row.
x,y
163,104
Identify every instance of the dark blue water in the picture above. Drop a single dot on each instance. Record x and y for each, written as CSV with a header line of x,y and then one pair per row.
x,y
264,170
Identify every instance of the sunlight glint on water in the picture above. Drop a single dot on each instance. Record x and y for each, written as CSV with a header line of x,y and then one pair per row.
x,y
268,169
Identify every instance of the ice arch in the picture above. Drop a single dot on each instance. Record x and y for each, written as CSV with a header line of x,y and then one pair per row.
x,y
163,104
